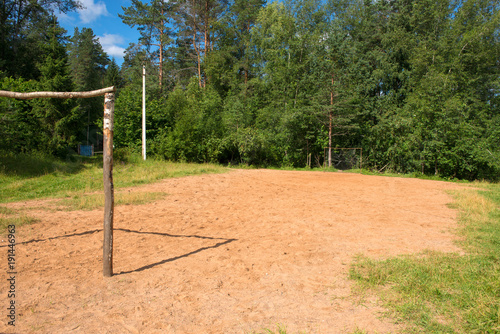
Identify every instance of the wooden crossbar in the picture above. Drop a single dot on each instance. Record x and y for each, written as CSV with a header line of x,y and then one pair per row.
x,y
109,110
57,95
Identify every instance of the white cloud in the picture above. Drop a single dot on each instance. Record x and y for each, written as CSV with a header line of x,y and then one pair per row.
x,y
64,18
111,44
91,11
111,39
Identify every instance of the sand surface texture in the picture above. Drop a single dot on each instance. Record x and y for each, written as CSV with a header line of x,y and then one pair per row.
x,y
225,253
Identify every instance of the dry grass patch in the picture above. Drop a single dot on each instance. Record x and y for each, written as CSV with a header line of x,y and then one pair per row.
x,y
96,201
13,217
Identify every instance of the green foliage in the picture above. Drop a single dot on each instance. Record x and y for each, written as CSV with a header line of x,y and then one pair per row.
x,y
152,20
112,76
58,119
21,22
128,118
88,62
44,125
416,84
197,116
18,127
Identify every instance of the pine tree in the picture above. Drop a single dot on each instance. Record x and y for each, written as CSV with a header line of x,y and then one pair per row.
x,y
153,21
18,20
88,63
195,20
58,119
113,76
230,63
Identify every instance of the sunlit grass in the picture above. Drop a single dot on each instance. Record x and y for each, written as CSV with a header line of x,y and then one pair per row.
x,y
78,182
12,217
96,201
437,292
67,178
281,329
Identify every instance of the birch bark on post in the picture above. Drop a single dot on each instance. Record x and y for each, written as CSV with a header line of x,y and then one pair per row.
x,y
109,109
56,95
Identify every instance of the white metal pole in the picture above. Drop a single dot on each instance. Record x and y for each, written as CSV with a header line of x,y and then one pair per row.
x,y
144,112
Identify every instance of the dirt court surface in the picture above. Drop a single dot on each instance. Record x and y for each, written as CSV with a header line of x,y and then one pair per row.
x,y
224,253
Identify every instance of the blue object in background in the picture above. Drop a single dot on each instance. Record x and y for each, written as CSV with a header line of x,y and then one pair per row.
x,y
87,150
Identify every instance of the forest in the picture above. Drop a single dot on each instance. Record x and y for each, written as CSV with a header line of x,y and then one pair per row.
x,y
414,83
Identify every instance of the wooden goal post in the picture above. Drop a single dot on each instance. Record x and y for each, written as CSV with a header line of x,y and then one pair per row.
x,y
109,109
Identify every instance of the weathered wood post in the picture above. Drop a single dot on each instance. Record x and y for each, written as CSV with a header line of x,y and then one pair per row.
x,y
109,109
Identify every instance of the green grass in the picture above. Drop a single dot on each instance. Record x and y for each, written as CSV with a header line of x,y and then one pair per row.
x,y
11,217
388,173
95,201
281,329
78,181
445,293
414,175
24,177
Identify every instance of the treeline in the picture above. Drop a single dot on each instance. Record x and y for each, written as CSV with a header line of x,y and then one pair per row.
x,y
416,84
37,55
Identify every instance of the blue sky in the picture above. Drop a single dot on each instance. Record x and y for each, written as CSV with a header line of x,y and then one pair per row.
x,y
102,17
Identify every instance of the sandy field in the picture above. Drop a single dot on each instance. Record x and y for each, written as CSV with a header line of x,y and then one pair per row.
x,y
224,253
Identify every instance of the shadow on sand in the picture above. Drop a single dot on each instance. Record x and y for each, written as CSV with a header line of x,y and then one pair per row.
x,y
222,242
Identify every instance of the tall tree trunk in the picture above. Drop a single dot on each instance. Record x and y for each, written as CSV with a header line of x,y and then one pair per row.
x,y
162,24
330,116
196,49
206,29
198,58
246,66
3,29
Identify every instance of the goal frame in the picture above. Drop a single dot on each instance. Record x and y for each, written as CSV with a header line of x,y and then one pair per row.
x,y
108,125
329,149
